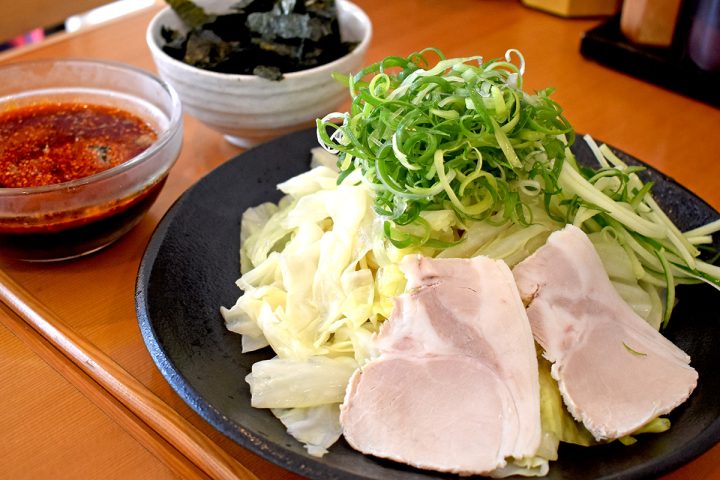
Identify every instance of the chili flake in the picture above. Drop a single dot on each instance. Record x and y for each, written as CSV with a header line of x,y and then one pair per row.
x,y
52,143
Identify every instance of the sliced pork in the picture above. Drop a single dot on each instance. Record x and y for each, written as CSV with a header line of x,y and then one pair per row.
x,y
615,372
455,385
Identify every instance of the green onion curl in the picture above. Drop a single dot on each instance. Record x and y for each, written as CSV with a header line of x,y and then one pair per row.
x,y
429,133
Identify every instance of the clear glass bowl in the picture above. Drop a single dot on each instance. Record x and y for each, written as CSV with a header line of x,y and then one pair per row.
x,y
77,217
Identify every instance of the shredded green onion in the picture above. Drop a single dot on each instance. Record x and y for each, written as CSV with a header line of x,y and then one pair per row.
x,y
458,134
427,133
633,351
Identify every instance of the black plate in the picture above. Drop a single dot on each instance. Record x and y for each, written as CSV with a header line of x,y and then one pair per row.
x,y
189,270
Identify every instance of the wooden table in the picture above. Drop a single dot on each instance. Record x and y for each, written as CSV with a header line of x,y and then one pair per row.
x,y
57,422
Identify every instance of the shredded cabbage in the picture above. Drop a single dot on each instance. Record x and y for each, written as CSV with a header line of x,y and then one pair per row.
x,y
286,383
317,427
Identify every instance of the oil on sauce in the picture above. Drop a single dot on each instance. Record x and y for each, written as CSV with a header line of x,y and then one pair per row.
x,y
53,143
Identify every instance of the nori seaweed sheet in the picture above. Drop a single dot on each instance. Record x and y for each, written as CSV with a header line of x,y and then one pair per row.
x,y
258,37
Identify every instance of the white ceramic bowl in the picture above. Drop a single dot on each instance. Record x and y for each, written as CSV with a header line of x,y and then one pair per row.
x,y
248,109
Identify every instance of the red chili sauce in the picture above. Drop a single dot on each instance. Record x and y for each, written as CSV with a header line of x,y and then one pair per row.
x,y
53,143
50,143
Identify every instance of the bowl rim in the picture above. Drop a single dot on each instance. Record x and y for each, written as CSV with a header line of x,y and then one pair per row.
x,y
158,52
164,137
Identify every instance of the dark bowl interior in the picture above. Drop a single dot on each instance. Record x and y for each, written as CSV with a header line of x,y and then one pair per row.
x,y
189,269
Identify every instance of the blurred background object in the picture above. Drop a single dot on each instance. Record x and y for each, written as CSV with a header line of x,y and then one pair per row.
x,y
650,22
105,13
33,36
23,16
30,21
672,43
576,8
704,43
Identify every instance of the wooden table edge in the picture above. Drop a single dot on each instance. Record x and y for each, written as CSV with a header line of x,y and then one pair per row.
x,y
128,391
